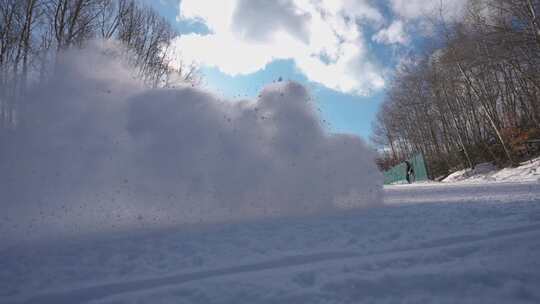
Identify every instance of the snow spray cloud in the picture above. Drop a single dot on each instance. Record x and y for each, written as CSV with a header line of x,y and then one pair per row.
x,y
97,150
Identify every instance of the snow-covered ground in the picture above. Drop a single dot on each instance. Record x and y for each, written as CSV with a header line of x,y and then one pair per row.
x,y
487,172
443,243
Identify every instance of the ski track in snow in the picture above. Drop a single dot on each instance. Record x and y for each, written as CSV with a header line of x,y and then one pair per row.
x,y
102,291
481,243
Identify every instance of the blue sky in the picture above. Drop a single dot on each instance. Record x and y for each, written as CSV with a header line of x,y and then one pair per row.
x,y
343,113
344,51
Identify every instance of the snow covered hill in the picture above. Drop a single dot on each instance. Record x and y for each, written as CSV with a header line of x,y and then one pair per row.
x,y
487,172
444,243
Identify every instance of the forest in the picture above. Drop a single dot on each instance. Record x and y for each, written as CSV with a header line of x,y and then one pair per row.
x,y
471,96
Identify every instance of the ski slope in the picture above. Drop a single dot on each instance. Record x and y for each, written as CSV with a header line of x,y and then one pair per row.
x,y
444,243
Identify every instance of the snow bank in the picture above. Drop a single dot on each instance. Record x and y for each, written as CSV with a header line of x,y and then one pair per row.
x,y
487,172
99,151
479,171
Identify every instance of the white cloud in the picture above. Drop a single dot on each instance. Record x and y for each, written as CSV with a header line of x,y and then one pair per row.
x,y
395,33
321,36
258,20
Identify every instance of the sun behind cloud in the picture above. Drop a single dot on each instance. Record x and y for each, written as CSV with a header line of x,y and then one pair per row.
x,y
322,37
335,43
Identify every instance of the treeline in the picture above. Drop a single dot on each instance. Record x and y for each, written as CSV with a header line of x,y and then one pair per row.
x,y
473,99
33,33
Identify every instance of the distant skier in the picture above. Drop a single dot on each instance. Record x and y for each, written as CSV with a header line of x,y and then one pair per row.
x,y
409,172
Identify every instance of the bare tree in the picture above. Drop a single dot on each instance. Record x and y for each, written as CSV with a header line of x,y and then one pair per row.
x,y
34,33
474,99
